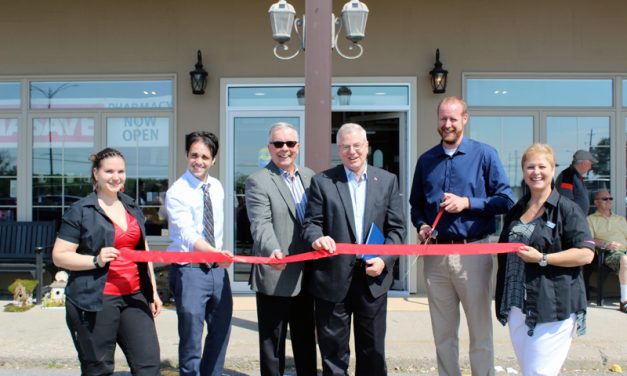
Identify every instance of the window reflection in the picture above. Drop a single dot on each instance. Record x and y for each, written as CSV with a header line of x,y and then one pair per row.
x,y
353,95
61,168
101,94
583,132
510,135
8,169
145,144
10,95
531,92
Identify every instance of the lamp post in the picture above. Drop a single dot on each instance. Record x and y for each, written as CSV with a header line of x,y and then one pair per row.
x,y
353,19
50,94
318,39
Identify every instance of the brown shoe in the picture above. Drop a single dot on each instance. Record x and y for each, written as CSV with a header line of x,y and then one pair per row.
x,y
623,307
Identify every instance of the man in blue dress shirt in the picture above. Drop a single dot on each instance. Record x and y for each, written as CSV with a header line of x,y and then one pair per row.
x,y
466,180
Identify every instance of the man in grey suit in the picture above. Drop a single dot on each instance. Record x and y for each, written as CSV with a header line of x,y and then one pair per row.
x,y
344,202
276,200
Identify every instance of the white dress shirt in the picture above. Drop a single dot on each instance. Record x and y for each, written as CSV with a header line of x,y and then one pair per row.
x,y
358,198
184,204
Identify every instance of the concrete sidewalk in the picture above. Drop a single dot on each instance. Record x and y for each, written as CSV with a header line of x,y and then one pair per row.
x,y
39,339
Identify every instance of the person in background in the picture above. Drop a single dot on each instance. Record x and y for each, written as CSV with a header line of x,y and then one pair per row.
x,y
276,199
540,292
344,203
202,291
570,184
109,299
609,231
465,180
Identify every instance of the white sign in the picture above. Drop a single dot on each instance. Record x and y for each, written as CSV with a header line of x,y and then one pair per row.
x,y
148,131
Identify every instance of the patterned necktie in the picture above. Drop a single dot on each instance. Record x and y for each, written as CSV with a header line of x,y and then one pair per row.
x,y
207,216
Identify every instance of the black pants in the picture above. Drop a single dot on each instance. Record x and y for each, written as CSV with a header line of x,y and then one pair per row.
x,y
274,313
125,320
333,323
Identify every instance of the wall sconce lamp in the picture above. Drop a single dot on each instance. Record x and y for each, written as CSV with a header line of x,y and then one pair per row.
x,y
344,95
438,75
353,18
199,77
300,96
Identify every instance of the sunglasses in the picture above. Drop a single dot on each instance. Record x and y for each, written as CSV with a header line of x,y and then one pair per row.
x,y
279,144
606,198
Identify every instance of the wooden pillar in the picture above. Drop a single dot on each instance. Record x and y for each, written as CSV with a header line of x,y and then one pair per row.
x,y
318,84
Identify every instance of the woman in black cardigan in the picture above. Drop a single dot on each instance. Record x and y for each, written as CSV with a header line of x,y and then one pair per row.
x,y
540,290
109,300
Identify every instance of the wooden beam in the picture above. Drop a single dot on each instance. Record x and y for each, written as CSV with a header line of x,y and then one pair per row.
x,y
318,84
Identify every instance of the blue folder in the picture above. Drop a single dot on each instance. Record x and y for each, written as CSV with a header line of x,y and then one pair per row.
x,y
375,236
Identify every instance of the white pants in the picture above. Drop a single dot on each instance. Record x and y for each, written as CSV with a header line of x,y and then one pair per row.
x,y
543,353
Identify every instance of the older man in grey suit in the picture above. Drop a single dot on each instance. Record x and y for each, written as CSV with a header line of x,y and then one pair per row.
x,y
276,198
344,204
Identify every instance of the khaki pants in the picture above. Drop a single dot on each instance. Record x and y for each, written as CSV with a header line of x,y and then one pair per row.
x,y
466,279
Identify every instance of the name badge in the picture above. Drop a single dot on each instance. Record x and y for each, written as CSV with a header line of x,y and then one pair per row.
x,y
550,224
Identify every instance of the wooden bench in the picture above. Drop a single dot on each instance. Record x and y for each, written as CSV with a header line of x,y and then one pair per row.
x,y
25,247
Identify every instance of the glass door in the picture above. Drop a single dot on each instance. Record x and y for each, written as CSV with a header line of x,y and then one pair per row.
x,y
386,132
249,133
568,133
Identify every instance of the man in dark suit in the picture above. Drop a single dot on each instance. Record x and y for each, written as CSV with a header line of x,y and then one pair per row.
x,y
276,201
344,202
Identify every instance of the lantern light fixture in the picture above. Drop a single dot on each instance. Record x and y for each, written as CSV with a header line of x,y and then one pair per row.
x,y
199,77
438,75
300,96
344,95
353,19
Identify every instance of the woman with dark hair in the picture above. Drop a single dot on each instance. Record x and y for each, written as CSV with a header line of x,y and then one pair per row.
x,y
540,291
109,299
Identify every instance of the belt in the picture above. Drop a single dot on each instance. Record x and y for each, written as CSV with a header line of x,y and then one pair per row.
x,y
200,265
457,241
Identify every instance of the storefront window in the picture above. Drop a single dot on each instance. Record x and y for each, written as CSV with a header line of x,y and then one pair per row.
x,y
539,92
8,169
569,114
61,166
145,143
10,95
510,135
101,94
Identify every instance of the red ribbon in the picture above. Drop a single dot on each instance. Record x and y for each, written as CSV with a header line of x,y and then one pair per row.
x,y
341,249
437,219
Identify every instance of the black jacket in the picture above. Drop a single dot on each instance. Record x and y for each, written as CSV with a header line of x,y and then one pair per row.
x,y
330,212
552,292
87,225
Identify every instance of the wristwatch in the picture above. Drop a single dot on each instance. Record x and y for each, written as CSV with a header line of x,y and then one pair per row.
x,y
543,261
95,262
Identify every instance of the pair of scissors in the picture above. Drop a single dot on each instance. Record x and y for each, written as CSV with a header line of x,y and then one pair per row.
x,y
433,234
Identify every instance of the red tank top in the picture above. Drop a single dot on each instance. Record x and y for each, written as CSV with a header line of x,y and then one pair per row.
x,y
123,276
